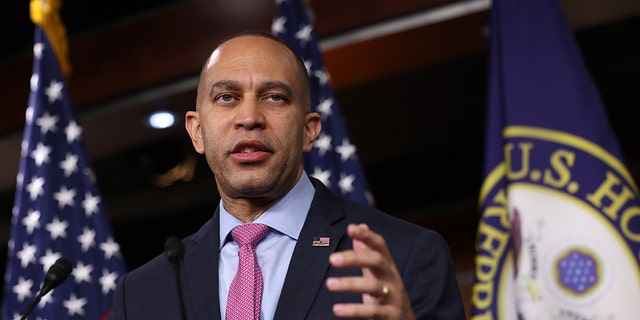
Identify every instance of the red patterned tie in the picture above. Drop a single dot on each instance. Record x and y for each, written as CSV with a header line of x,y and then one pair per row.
x,y
245,293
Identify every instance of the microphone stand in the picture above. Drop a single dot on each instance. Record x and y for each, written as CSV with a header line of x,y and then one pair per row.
x,y
174,249
30,306
183,309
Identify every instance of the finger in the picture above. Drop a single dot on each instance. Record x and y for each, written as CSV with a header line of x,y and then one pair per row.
x,y
358,259
365,311
373,291
355,285
357,244
365,238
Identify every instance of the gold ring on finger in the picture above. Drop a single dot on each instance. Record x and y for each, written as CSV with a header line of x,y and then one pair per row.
x,y
384,292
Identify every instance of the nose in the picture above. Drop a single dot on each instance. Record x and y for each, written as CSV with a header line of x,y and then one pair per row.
x,y
249,115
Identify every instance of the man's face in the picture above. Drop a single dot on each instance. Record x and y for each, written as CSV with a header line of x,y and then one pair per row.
x,y
251,120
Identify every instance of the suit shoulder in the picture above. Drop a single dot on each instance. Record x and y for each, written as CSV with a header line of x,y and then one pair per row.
x,y
371,215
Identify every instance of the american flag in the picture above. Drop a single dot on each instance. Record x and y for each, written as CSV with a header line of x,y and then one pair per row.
x,y
333,159
321,241
58,210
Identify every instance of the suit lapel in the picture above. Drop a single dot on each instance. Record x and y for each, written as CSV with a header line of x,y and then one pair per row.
x,y
200,272
309,264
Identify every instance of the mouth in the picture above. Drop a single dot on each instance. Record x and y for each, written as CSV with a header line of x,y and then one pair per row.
x,y
247,152
249,147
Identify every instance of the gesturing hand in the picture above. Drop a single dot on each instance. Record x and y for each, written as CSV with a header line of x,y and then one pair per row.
x,y
383,292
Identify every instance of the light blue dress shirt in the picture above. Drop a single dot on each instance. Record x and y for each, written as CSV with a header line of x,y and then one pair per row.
x,y
285,218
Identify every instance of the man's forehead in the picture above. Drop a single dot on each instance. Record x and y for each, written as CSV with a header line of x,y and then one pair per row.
x,y
215,55
251,47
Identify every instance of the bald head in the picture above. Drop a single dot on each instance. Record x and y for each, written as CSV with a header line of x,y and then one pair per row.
x,y
257,46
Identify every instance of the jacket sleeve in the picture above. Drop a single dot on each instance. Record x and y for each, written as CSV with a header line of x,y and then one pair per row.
x,y
430,279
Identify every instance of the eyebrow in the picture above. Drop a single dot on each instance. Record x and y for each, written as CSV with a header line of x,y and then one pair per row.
x,y
232,85
224,85
277,85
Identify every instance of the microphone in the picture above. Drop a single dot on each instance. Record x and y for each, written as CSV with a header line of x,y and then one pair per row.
x,y
174,249
57,274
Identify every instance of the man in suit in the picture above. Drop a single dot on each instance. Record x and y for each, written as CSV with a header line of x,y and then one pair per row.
x,y
323,257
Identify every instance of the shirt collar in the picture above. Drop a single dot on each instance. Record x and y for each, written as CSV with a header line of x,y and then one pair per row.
x,y
286,216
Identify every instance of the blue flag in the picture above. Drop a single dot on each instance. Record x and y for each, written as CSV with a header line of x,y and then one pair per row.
x,y
559,232
58,210
333,160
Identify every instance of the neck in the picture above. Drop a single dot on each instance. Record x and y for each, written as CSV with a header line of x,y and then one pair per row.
x,y
246,210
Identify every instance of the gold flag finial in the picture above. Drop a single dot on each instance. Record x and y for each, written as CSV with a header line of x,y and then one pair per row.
x,y
45,13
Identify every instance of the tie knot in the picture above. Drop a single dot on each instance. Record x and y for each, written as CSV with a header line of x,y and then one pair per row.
x,y
249,233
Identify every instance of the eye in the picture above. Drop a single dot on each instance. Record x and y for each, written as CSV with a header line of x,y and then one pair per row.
x,y
276,98
225,97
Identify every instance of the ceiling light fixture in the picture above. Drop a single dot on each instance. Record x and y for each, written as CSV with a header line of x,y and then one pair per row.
x,y
161,120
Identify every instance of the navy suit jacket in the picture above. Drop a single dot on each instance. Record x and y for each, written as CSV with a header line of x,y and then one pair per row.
x,y
421,255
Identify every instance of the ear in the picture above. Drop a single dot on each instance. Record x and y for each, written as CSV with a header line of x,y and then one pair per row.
x,y
313,126
192,124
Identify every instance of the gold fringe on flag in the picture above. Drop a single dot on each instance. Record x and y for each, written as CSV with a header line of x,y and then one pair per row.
x,y
45,13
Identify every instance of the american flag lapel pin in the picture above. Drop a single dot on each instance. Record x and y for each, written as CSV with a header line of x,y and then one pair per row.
x,y
320,242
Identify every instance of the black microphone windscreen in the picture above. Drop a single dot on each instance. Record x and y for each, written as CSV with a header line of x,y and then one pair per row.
x,y
173,248
57,274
